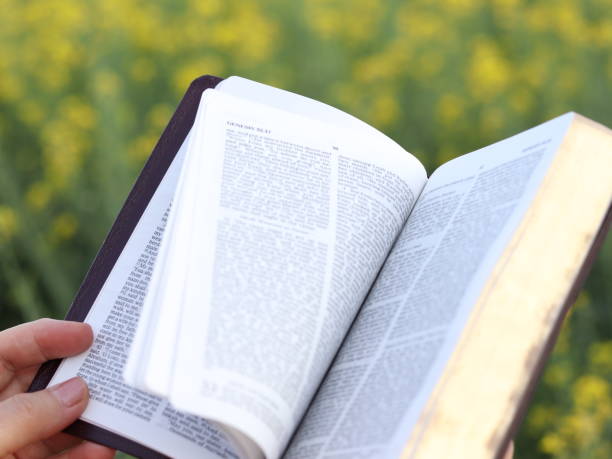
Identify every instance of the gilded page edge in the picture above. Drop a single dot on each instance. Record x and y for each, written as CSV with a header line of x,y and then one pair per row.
x,y
497,436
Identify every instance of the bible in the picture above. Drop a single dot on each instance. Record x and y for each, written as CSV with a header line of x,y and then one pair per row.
x,y
285,280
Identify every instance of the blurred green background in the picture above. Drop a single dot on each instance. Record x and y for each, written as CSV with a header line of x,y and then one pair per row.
x,y
86,88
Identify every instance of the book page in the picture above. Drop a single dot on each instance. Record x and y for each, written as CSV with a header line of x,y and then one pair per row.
x,y
296,103
512,326
151,355
411,320
150,365
113,405
139,348
294,220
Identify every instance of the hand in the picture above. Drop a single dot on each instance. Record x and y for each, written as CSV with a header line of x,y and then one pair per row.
x,y
31,424
509,451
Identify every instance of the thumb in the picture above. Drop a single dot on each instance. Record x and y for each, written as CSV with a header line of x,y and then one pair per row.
x,y
27,418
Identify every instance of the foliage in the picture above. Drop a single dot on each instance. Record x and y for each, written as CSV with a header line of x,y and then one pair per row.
x,y
86,88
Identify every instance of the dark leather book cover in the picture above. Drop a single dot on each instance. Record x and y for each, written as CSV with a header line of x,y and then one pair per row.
x,y
149,179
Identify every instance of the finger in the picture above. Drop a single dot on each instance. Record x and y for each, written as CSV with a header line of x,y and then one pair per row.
x,y
60,442
36,342
88,450
19,383
28,418
53,445
509,451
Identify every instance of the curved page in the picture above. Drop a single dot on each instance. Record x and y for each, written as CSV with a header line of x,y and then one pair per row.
x,y
294,219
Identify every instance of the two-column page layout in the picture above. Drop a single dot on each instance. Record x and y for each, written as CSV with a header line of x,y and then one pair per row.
x,y
296,284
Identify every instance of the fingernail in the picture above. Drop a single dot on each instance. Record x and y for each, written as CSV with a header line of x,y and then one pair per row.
x,y
70,392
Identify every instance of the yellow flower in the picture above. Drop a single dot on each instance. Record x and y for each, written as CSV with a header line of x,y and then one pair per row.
x,y
209,65
160,115
31,111
557,374
537,17
429,64
142,147
553,443
384,110
349,20
206,9
77,112
591,392
489,73
461,7
507,3
521,100
422,25
142,70
106,83
11,88
541,417
492,119
8,223
63,227
600,355
38,195
381,67
602,33
450,108
570,23
64,146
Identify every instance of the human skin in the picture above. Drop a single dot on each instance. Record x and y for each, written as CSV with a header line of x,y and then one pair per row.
x,y
31,423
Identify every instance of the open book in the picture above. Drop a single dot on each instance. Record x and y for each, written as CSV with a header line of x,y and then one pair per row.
x,y
286,280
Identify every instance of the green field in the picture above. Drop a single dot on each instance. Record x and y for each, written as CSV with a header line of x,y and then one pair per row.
x,y
86,88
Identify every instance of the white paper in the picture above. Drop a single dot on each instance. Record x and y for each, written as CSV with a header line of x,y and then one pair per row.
x,y
154,373
213,353
136,415
399,345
